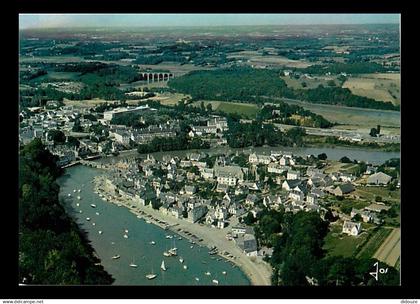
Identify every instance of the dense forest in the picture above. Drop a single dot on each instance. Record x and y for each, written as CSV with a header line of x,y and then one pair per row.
x,y
244,84
299,254
52,249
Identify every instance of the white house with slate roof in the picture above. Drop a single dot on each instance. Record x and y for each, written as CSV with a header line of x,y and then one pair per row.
x,y
352,228
290,184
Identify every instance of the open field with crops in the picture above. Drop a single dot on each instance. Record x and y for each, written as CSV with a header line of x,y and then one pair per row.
x,y
382,87
169,99
390,250
374,242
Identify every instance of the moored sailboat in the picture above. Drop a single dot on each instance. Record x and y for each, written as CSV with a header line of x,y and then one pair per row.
x,y
162,266
151,275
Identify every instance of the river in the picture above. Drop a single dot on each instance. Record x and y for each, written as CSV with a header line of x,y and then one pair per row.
x,y
369,156
113,220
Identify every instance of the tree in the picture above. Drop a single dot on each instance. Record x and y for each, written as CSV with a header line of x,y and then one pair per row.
x,y
249,219
345,160
373,132
346,209
77,127
357,218
209,107
73,141
57,136
51,248
322,156
331,83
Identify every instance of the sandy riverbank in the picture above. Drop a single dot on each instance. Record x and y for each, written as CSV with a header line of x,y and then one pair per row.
x,y
258,271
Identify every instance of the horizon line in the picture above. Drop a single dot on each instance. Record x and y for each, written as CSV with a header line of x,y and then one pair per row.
x,y
203,26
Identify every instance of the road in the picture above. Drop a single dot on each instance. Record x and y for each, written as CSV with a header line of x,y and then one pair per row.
x,y
390,250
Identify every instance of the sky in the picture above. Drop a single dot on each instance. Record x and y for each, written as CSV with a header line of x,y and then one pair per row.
x,y
27,21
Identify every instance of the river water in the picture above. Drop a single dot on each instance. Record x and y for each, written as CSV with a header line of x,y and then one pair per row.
x,y
113,220
369,156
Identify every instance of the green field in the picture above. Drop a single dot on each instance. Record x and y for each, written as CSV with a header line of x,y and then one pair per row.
x,y
244,109
342,245
374,242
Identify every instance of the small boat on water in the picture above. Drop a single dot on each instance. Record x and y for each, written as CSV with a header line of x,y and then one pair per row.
x,y
162,266
93,224
191,246
100,231
126,230
152,243
77,204
78,190
79,198
172,252
132,264
149,222
215,282
88,218
117,256
167,254
93,205
180,238
80,211
74,190
168,236
197,279
181,260
151,276
185,267
207,273
125,236
97,213
69,195
224,272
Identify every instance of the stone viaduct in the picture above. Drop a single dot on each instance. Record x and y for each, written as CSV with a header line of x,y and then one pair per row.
x,y
156,76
